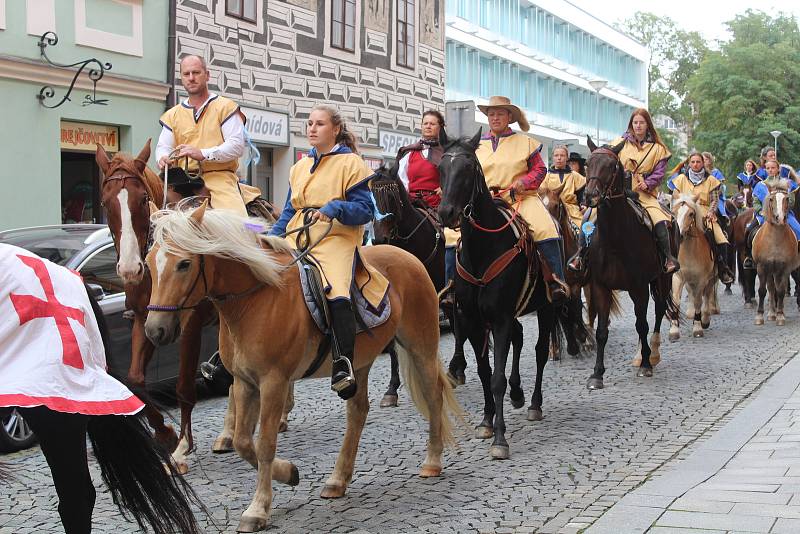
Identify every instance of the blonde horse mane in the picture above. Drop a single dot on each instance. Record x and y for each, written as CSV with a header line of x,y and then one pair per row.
x,y
691,203
224,234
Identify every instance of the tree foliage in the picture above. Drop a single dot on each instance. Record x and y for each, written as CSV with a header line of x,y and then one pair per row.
x,y
748,88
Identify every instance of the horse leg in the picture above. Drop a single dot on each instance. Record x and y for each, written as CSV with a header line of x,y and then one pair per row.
x,y
357,408
185,389
713,301
677,289
781,289
141,353
502,333
390,397
655,338
641,300
601,300
283,426
516,394
479,339
268,401
701,309
224,442
771,292
458,363
545,318
762,293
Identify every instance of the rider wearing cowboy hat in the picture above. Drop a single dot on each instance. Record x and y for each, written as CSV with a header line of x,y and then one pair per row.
x,y
512,161
577,163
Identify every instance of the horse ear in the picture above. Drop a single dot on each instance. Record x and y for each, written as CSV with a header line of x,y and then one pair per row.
x,y
476,139
102,159
141,160
443,137
618,148
197,215
153,207
590,143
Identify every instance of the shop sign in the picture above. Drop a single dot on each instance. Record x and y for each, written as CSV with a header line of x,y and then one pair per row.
x,y
267,126
391,141
83,136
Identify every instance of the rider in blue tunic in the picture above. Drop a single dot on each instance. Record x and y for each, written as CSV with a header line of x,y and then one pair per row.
x,y
760,193
749,177
768,154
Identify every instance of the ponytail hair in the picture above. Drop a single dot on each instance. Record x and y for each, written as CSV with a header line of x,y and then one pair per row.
x,y
345,136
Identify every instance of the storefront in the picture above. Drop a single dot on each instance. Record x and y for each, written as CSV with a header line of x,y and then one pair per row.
x,y
80,178
391,141
269,132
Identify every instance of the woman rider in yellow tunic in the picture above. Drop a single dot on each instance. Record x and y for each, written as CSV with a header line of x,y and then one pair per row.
x,y
696,181
644,158
331,186
512,161
567,183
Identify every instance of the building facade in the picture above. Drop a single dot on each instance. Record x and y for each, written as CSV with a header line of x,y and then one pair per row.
x,y
48,169
381,62
543,54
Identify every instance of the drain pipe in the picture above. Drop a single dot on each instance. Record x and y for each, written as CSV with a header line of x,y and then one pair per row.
x,y
171,51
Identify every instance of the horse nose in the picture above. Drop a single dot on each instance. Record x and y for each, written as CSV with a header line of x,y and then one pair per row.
x,y
131,273
446,213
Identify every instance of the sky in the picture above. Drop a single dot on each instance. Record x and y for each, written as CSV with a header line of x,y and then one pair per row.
x,y
707,17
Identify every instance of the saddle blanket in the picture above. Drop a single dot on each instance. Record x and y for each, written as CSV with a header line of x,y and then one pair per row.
x,y
51,350
364,311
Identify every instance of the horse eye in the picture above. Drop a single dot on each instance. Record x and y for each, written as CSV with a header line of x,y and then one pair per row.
x,y
183,265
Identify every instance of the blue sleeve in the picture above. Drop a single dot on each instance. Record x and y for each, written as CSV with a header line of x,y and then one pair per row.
x,y
669,182
762,173
355,210
760,192
288,212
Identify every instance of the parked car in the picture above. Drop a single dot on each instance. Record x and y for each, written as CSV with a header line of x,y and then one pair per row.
x,y
89,249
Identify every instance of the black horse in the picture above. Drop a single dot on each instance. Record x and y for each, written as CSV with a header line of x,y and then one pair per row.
x,y
622,255
489,302
136,469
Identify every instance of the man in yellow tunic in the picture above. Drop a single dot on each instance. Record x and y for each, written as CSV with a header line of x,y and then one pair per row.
x,y
567,183
331,185
512,161
697,182
209,130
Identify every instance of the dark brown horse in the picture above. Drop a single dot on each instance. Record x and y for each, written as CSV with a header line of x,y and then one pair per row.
x,y
622,256
128,191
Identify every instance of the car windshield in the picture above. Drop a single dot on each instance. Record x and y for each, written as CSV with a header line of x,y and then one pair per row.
x,y
57,244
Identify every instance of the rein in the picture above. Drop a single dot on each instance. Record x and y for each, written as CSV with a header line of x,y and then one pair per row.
x,y
147,198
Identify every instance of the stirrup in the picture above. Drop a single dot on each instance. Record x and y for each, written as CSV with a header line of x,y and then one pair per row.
x,y
347,381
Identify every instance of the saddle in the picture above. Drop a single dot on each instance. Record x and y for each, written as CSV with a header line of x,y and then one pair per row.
x,y
641,212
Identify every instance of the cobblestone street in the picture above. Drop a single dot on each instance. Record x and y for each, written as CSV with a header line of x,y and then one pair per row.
x,y
592,449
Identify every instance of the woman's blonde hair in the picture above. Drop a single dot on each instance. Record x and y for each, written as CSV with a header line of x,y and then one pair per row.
x,y
345,136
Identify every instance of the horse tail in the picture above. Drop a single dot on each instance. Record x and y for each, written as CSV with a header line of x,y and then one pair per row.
x,y
419,388
661,288
140,475
614,307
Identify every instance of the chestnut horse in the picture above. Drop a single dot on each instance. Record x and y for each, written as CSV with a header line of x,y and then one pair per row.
x,y
775,255
211,255
698,269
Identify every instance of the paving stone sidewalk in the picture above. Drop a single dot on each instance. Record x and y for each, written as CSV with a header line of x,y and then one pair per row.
x,y
746,478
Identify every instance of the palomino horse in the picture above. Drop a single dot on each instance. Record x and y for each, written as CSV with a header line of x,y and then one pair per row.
x,y
622,256
494,273
128,189
775,255
210,254
698,269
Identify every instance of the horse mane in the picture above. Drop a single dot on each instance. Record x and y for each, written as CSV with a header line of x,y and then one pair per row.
x,y
124,162
388,191
224,234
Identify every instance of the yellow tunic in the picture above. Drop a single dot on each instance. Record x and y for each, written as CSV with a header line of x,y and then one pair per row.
x,y
641,162
504,165
206,132
337,255
703,191
567,189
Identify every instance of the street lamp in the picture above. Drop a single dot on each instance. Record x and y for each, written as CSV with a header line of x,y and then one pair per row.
x,y
775,134
598,86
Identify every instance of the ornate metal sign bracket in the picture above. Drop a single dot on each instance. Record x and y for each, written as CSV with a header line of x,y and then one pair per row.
x,y
95,73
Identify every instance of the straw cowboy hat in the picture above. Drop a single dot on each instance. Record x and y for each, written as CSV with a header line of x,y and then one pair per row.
x,y
517,115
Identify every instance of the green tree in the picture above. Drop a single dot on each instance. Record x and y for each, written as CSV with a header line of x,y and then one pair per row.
x,y
748,88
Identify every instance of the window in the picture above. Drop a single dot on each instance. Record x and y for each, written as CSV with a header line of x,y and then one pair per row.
x,y
405,33
241,9
343,25
101,269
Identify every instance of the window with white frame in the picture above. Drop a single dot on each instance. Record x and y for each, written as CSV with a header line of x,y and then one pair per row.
x,y
242,9
405,33
343,24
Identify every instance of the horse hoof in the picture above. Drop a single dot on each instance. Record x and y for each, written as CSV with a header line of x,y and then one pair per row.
x,y
181,467
674,336
222,445
534,415
483,432
645,372
655,359
728,291
517,403
294,478
705,326
389,401
251,524
698,333
594,383
332,491
637,361
554,358
430,471
499,452
748,305
452,379
461,379
283,427
759,321
780,321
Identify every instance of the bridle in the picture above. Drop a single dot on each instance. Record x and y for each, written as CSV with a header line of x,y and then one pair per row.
x,y
608,190
117,176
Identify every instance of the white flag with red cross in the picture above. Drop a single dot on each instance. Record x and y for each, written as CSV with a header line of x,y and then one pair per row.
x,y
51,350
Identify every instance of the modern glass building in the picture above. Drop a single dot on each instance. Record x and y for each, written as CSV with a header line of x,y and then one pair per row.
x,y
543,54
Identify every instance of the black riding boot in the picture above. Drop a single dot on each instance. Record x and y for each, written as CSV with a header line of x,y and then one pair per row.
x,y
343,328
720,258
578,262
661,233
748,246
